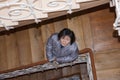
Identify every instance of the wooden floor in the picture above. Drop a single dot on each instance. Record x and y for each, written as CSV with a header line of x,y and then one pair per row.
x,y
108,65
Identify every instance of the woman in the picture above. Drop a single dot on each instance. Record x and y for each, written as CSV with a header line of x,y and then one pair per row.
x,y
61,47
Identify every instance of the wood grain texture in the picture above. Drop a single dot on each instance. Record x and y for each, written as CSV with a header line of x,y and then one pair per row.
x,y
13,58
83,71
111,74
36,44
23,43
60,23
66,71
101,22
88,38
75,24
46,30
3,54
107,60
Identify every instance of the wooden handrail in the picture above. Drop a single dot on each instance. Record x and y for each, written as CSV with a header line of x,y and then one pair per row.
x,y
83,51
24,67
88,50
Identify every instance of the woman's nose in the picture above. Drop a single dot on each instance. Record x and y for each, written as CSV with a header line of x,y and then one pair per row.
x,y
64,41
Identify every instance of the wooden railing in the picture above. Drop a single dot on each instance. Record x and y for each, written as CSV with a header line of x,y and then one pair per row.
x,y
83,51
88,50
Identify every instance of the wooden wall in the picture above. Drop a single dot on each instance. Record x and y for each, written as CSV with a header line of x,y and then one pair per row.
x,y
93,29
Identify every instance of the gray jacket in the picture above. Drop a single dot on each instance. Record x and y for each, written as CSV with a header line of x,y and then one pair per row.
x,y
66,54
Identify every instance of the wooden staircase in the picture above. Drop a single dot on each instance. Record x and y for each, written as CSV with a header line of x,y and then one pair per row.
x,y
85,57
18,13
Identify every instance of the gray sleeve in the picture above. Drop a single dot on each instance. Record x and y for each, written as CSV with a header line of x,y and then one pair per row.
x,y
49,53
73,55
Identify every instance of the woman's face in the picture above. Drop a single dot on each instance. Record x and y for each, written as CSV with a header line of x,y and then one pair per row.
x,y
65,40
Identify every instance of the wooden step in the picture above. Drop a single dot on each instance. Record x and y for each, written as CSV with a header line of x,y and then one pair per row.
x,y
107,59
110,74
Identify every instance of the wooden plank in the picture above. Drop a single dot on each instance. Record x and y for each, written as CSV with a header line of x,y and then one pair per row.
x,y
107,59
49,75
46,31
92,4
23,43
36,45
110,74
76,69
41,76
3,54
12,79
58,73
87,31
43,36
102,29
66,71
60,23
25,77
33,76
75,24
12,51
84,72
